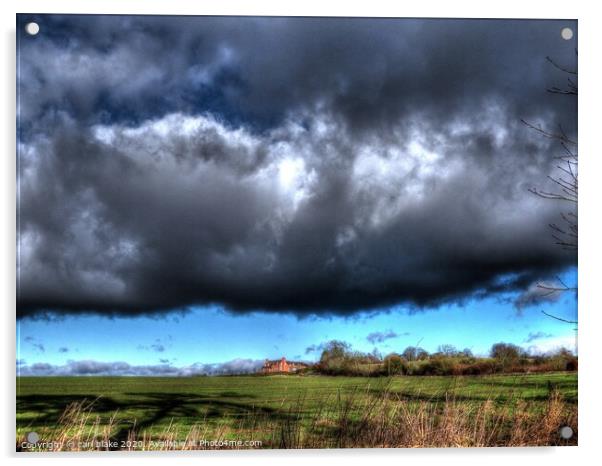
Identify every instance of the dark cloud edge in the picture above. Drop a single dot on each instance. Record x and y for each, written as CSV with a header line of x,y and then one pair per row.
x,y
517,285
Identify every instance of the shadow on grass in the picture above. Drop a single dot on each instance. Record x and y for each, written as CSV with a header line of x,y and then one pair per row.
x,y
479,390
151,409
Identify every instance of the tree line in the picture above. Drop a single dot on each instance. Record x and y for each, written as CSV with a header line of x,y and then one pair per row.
x,y
338,358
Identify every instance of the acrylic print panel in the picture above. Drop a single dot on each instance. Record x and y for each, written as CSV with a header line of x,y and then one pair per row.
x,y
253,232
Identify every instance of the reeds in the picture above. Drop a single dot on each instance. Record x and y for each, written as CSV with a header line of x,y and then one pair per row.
x,y
360,419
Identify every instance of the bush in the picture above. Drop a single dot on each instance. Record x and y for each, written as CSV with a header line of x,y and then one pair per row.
x,y
482,367
338,359
415,367
433,366
394,364
562,360
572,364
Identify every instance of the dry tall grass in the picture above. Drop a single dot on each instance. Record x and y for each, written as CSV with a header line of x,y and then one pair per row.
x,y
358,420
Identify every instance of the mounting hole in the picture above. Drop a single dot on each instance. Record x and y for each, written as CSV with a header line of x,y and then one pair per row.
x,y
565,432
566,33
32,28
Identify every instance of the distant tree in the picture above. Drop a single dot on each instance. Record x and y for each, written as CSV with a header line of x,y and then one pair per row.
x,y
413,353
562,359
467,353
506,353
409,354
334,352
421,354
338,358
447,350
375,356
562,352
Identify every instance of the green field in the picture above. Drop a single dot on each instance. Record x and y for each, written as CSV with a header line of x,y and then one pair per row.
x,y
228,406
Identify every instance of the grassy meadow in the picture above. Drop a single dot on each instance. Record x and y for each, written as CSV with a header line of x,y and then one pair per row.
x,y
303,411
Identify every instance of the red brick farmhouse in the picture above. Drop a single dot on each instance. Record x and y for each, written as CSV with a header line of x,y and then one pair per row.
x,y
282,365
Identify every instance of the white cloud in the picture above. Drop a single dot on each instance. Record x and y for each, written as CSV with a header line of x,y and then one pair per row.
x,y
550,344
120,368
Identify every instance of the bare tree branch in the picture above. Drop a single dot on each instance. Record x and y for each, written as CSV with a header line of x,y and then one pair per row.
x,y
555,289
567,187
561,68
560,318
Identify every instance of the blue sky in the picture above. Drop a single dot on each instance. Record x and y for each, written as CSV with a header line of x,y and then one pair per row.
x,y
210,335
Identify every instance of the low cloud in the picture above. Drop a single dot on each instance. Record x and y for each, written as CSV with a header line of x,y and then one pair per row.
x,y
537,336
379,337
157,346
545,346
538,293
120,368
63,349
36,343
40,347
315,348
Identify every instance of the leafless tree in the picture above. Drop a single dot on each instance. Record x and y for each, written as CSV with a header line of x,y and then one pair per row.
x,y
565,184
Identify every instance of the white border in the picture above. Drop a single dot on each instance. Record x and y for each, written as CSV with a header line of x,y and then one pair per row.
x,y
590,275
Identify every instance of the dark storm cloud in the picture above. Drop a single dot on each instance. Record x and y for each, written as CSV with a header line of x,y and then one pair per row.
x,y
371,71
118,368
304,165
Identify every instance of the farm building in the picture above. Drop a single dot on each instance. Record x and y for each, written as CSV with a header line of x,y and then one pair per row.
x,y
282,365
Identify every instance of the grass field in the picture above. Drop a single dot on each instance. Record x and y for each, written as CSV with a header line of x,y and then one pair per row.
x,y
298,411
